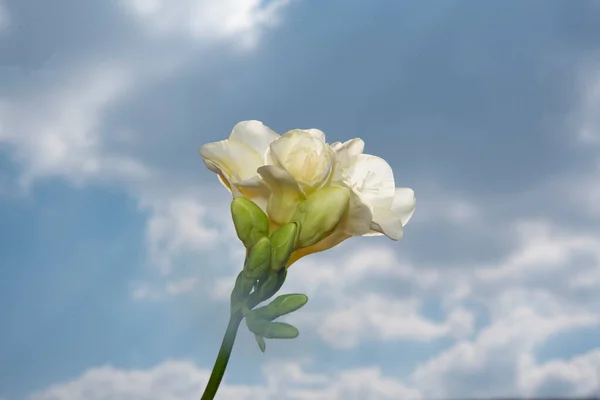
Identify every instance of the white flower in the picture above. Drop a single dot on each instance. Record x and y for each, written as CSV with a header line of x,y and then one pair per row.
x,y
279,172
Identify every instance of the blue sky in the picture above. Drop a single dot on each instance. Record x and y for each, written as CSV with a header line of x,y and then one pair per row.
x,y
118,253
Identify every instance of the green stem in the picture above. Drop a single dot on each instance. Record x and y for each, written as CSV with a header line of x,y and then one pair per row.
x,y
222,358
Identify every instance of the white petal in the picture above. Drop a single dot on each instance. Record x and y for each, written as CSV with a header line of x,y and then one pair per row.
x,y
234,161
254,134
387,222
404,204
373,178
350,149
336,145
316,133
391,221
345,155
359,217
308,159
285,193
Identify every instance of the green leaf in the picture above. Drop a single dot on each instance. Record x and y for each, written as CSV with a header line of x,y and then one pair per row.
x,y
258,260
261,343
250,221
282,305
283,243
271,330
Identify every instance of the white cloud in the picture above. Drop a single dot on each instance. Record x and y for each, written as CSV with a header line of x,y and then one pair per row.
x,y
375,317
176,227
55,131
521,320
241,20
175,380
543,249
57,128
578,376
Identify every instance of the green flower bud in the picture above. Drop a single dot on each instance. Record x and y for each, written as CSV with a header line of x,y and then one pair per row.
x,y
320,213
271,330
270,285
283,243
282,305
258,260
241,290
251,223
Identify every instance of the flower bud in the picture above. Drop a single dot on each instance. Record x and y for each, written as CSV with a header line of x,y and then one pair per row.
x,y
283,243
258,260
320,213
241,290
251,223
269,286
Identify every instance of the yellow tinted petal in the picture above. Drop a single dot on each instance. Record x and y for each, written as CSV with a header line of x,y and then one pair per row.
x,y
231,159
285,193
330,241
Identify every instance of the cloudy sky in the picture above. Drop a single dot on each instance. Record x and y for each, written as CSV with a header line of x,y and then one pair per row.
x,y
117,249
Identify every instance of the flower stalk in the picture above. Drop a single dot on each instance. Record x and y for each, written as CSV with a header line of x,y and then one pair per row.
x,y
222,357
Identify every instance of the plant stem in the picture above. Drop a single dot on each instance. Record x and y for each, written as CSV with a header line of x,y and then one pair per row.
x,y
222,358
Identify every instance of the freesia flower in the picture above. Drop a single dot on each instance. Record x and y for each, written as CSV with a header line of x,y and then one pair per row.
x,y
294,194
279,172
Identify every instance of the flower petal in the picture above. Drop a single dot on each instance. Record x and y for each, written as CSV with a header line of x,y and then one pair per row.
x,y
285,193
404,204
232,160
373,178
386,222
316,133
330,241
349,150
256,190
254,134
391,221
345,155
307,158
358,219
